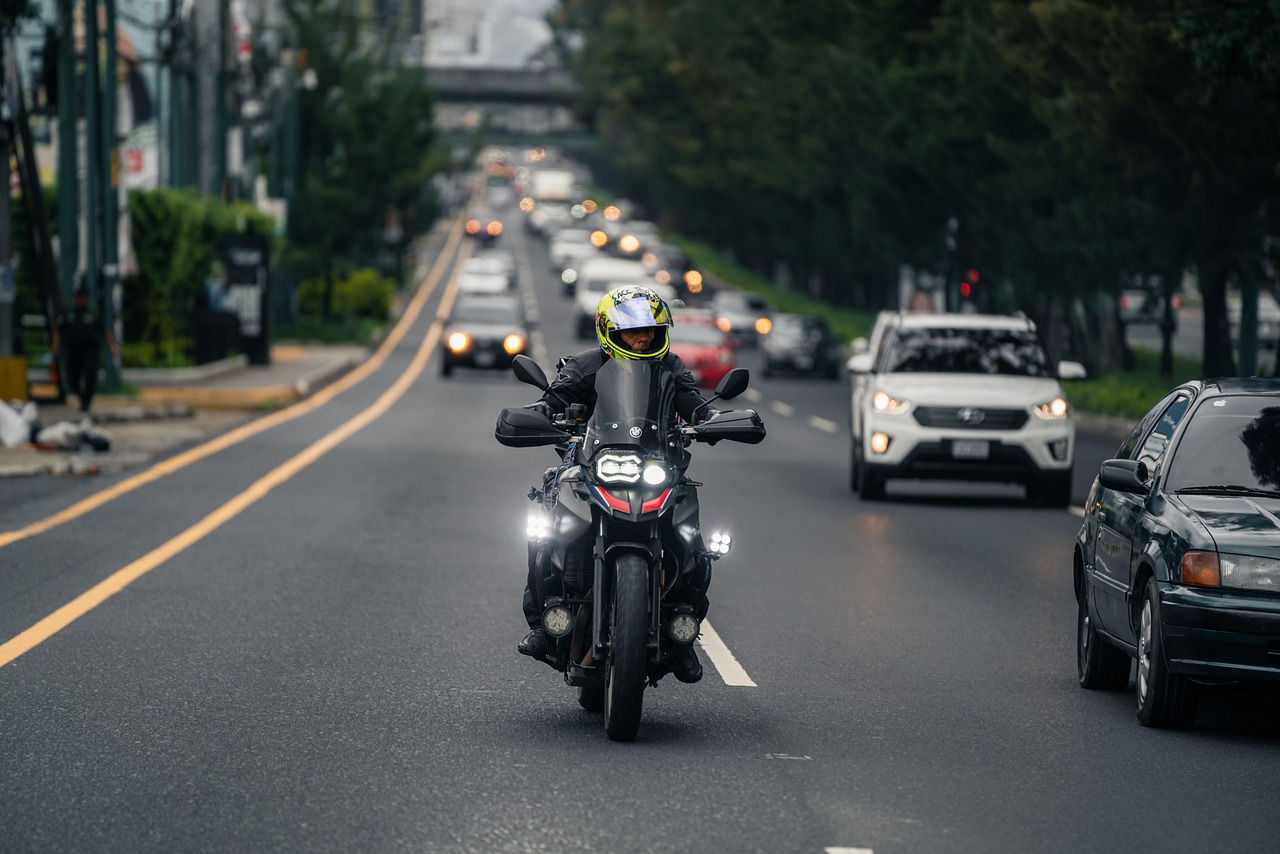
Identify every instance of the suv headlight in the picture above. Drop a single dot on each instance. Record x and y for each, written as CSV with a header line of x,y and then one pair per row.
x,y
881,401
618,468
1052,410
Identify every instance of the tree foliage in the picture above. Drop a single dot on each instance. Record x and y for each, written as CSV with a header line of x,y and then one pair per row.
x,y
1068,143
367,140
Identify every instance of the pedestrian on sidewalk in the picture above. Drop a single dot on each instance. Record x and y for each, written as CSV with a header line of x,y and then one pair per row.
x,y
83,334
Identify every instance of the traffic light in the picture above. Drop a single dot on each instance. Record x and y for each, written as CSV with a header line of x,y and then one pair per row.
x,y
970,279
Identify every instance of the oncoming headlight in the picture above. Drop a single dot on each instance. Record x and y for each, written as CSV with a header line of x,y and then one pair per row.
x,y
1052,410
618,468
883,402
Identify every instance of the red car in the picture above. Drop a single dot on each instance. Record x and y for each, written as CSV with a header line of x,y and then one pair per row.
x,y
704,348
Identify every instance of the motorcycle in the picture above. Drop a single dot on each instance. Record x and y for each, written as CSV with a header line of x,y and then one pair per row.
x,y
615,529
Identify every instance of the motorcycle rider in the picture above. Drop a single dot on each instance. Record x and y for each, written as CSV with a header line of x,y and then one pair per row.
x,y
631,323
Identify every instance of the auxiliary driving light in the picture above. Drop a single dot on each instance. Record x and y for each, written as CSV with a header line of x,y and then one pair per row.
x,y
720,543
557,619
513,344
682,627
458,342
539,526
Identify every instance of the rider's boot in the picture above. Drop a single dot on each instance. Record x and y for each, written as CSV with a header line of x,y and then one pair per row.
x,y
534,644
685,665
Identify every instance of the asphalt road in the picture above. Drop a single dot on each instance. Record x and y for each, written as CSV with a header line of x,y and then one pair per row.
x,y
306,644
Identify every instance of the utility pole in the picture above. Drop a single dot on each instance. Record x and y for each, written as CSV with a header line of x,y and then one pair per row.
x,y
68,157
93,156
7,287
111,195
220,104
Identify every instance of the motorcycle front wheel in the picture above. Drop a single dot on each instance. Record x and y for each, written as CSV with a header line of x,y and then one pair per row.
x,y
624,693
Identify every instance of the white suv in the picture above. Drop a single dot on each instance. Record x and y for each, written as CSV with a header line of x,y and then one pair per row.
x,y
961,396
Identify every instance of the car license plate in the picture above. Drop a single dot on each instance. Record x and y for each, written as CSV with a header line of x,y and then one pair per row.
x,y
484,360
969,449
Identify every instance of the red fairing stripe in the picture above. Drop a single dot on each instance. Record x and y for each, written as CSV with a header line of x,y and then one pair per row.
x,y
613,503
655,503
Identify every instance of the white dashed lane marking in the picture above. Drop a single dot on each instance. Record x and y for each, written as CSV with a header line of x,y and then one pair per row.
x,y
784,409
848,851
729,668
823,424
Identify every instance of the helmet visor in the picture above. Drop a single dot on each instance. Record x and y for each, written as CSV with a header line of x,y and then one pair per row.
x,y
633,314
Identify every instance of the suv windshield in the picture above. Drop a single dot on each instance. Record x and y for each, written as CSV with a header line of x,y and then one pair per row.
x,y
1010,352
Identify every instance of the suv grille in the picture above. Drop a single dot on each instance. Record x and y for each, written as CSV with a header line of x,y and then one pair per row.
x,y
970,418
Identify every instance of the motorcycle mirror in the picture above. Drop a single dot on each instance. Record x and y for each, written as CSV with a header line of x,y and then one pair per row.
x,y
732,384
528,371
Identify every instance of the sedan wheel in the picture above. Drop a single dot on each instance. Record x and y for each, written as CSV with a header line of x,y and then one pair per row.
x,y
1164,699
1100,666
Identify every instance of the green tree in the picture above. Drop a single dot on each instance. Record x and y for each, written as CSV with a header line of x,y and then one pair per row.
x,y
367,141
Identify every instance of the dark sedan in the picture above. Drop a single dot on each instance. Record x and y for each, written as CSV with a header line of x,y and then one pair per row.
x,y
484,331
802,345
1177,563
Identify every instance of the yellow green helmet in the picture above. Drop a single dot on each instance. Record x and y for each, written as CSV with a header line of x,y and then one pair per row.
x,y
632,307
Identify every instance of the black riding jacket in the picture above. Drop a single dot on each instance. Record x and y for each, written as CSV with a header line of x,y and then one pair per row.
x,y
575,383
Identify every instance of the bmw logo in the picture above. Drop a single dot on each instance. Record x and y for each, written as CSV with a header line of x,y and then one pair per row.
x,y
636,432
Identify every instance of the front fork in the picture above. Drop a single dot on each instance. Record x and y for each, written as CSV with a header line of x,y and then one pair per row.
x,y
603,587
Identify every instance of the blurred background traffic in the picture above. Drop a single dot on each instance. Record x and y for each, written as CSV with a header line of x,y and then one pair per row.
x,y
260,170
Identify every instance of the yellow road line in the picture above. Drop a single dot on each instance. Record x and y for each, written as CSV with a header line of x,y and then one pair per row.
x,y
253,428
122,578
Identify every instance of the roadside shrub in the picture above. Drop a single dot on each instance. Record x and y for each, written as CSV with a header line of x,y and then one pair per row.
x,y
1131,393
363,293
175,235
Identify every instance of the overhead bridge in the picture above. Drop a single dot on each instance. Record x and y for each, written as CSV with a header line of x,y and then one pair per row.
x,y
530,103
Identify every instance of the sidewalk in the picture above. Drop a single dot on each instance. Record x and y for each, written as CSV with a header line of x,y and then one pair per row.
x,y
183,407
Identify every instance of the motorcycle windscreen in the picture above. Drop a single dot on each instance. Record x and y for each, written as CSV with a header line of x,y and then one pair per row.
x,y
635,405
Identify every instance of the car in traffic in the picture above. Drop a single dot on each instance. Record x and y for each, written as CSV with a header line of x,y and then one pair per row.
x,y
485,274
484,226
1268,320
1138,306
484,331
704,348
1177,561
801,344
962,396
745,316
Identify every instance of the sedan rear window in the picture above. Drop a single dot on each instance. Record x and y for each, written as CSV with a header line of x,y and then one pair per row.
x,y
965,351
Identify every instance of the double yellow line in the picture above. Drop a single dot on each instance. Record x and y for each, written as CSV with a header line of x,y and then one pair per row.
x,y
117,581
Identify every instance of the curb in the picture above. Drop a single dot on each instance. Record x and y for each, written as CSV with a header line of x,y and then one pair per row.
x,y
183,376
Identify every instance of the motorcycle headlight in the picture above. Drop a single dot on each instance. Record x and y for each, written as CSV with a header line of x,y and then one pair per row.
x,y
1052,410
654,474
883,402
618,468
